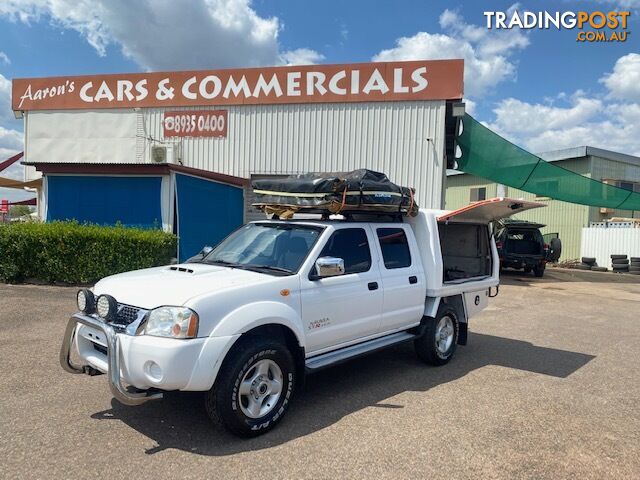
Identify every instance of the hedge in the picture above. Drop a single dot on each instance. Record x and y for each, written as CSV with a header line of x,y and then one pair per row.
x,y
69,252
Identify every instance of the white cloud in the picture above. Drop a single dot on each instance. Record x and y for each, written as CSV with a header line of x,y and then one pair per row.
x,y
301,56
586,121
624,82
4,58
487,53
164,34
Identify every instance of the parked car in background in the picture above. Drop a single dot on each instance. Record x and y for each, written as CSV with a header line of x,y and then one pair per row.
x,y
522,246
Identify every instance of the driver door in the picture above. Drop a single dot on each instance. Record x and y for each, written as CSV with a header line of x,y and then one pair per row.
x,y
345,308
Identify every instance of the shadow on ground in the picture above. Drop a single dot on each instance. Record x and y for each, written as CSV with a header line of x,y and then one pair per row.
x,y
179,421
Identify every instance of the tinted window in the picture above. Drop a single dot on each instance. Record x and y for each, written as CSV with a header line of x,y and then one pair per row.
x,y
395,247
352,246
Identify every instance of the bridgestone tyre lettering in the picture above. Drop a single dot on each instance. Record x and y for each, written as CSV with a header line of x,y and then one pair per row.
x,y
222,402
425,346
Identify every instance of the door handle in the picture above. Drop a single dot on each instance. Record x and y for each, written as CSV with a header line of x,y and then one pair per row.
x,y
413,279
373,285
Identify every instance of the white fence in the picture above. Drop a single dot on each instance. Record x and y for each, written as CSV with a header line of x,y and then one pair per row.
x,y
601,243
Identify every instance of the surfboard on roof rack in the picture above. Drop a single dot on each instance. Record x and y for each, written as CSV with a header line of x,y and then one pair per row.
x,y
359,191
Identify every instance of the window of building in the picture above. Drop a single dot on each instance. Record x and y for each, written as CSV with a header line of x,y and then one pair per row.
x,y
352,245
395,247
479,193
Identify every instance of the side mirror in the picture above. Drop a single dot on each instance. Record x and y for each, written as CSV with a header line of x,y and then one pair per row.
x,y
329,267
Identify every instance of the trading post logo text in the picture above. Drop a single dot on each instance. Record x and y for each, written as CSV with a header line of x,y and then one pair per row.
x,y
595,26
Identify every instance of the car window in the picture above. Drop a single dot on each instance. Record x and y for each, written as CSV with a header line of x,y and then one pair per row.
x,y
352,245
395,247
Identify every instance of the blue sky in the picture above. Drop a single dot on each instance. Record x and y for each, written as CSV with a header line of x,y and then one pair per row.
x,y
539,88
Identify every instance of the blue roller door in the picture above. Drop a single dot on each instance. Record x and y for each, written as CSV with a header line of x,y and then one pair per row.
x,y
207,212
131,201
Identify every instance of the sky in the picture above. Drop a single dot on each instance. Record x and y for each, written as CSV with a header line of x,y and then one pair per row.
x,y
540,89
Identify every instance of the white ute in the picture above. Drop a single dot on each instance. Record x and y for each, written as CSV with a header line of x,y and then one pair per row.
x,y
281,298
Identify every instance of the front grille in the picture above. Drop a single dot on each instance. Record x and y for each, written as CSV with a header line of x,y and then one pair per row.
x,y
127,314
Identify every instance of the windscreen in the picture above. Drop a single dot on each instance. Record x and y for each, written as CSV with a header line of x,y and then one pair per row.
x,y
271,247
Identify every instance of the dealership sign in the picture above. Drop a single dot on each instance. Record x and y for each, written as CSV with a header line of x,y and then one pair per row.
x,y
367,82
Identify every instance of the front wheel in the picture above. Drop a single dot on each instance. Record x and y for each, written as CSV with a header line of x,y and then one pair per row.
x,y
438,343
254,387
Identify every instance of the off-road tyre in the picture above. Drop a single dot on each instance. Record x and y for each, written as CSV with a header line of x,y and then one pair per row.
x,y
425,346
222,402
599,269
588,260
582,266
618,257
538,271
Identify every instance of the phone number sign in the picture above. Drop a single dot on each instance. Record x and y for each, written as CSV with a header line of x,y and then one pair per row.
x,y
195,123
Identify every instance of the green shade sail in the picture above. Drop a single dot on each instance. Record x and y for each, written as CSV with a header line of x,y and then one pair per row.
x,y
488,155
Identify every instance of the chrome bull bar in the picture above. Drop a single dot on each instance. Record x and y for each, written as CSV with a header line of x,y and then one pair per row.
x,y
114,356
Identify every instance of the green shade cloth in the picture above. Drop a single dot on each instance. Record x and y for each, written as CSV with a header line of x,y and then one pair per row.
x,y
488,155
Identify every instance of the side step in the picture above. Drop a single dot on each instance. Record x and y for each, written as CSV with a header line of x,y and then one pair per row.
x,y
334,357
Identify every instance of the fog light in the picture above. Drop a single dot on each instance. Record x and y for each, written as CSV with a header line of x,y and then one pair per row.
x,y
86,301
153,371
107,307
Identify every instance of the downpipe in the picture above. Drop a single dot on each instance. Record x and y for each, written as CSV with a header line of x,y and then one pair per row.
x,y
114,356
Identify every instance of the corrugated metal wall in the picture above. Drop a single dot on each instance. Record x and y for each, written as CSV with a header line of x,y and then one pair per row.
x,y
403,139
601,243
566,219
605,169
391,137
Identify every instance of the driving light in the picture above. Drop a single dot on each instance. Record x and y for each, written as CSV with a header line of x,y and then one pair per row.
x,y
173,322
107,307
86,301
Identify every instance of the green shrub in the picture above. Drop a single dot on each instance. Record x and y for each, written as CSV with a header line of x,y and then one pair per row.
x,y
72,253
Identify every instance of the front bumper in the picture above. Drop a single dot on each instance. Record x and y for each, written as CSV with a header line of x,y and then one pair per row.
x,y
145,362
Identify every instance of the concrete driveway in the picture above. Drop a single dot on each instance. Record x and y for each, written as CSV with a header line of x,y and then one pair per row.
x,y
548,387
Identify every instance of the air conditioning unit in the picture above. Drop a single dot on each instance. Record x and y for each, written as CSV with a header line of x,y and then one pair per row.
x,y
162,154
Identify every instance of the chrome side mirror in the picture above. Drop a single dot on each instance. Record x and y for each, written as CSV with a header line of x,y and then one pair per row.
x,y
206,250
329,267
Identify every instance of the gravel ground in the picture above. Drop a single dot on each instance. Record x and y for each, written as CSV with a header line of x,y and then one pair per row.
x,y
548,387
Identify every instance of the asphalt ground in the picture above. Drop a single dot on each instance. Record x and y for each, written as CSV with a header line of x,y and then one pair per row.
x,y
548,387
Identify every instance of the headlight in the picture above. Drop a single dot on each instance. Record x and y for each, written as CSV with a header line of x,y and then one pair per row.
x,y
107,307
86,301
174,322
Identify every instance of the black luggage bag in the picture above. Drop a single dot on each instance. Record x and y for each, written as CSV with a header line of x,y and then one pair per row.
x,y
360,191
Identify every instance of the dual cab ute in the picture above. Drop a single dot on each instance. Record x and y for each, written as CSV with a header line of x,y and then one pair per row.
x,y
279,299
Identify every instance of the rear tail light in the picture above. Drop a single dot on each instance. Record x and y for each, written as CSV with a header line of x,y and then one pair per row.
x,y
498,244
546,246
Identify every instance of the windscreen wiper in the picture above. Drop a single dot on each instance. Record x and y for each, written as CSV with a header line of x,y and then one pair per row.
x,y
269,267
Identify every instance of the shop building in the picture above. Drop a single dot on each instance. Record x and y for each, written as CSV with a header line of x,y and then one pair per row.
x,y
565,219
177,150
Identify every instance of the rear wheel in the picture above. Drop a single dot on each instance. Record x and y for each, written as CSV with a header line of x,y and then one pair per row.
x,y
438,343
538,271
254,387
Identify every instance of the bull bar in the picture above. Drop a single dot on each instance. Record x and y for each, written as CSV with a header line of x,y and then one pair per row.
x,y
114,356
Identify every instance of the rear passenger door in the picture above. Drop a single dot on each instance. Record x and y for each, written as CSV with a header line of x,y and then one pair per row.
x,y
403,280
345,308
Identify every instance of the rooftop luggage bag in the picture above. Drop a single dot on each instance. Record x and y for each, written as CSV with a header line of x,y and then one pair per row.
x,y
332,193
